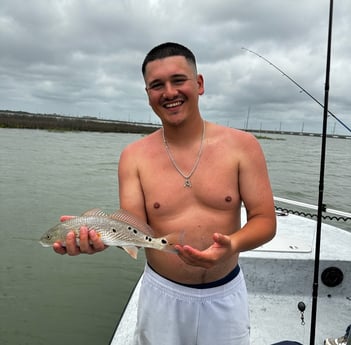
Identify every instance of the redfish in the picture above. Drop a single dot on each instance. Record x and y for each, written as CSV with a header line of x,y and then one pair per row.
x,y
119,229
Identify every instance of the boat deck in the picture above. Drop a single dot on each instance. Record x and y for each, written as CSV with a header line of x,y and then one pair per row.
x,y
278,276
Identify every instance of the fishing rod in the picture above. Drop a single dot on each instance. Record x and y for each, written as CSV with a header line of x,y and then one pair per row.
x,y
321,183
298,85
320,206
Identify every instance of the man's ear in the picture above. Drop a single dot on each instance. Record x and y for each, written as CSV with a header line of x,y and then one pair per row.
x,y
147,93
201,84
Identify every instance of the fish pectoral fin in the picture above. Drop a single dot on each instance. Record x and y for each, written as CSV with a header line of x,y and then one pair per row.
x,y
131,250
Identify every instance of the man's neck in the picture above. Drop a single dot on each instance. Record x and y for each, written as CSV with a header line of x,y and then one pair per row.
x,y
184,133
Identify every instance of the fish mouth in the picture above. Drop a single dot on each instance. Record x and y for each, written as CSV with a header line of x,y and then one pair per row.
x,y
45,244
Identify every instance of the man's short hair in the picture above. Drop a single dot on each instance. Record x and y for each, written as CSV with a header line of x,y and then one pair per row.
x,y
168,49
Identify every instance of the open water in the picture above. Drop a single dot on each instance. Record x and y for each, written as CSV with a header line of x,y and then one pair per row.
x,y
51,299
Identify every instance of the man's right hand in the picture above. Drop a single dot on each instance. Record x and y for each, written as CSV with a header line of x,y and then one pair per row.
x,y
89,242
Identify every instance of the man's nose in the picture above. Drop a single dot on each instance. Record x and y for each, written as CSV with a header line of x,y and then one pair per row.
x,y
170,91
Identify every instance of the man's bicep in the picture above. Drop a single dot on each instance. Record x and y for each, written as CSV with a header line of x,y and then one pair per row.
x,y
255,187
131,197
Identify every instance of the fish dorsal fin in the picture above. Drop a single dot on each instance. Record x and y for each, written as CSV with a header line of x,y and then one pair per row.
x,y
126,217
94,212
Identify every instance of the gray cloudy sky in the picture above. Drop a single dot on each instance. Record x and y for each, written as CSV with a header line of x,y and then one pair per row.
x,y
83,57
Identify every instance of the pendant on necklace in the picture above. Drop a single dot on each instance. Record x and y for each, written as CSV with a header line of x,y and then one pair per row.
x,y
187,183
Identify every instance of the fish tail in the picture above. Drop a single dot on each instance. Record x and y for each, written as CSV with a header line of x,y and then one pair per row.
x,y
173,239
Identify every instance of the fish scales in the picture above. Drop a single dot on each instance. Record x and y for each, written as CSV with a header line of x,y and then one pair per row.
x,y
111,232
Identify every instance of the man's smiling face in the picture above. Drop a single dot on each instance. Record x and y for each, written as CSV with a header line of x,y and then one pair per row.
x,y
173,88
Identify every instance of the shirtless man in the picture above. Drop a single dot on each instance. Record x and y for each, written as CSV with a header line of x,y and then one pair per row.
x,y
191,177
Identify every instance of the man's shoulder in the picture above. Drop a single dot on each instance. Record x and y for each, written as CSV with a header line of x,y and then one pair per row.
x,y
141,145
230,133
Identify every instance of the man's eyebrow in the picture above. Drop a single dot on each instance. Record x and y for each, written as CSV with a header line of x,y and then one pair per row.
x,y
173,76
179,75
157,80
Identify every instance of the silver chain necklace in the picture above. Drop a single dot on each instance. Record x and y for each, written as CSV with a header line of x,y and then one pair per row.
x,y
187,182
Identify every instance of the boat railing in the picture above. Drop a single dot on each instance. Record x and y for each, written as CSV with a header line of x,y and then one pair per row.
x,y
341,214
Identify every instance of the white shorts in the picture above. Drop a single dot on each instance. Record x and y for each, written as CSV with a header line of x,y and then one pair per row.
x,y
173,314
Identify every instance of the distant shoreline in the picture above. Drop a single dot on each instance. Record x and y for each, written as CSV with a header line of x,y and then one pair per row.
x,y
19,119
55,122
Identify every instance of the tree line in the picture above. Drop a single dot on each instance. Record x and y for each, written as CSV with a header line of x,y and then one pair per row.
x,y
10,119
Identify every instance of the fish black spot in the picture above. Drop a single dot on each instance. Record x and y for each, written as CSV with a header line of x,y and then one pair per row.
x,y
129,228
164,241
114,230
135,231
150,239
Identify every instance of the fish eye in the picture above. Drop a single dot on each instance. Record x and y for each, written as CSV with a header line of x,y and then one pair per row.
x,y
48,237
